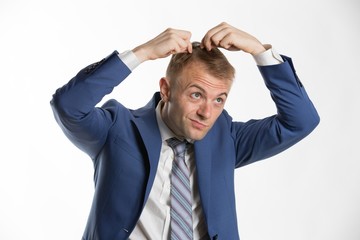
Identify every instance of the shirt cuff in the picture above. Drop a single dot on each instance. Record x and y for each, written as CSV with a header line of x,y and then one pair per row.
x,y
269,57
129,59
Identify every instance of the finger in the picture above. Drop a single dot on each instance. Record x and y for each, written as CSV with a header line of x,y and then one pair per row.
x,y
185,45
209,40
179,40
179,46
219,36
189,48
185,35
227,42
206,39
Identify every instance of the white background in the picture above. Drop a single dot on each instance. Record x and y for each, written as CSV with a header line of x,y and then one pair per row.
x,y
311,191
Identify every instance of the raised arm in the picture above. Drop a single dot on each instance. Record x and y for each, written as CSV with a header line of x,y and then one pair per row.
x,y
296,116
74,103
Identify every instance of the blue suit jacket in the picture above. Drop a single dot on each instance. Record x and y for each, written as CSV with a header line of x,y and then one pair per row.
x,y
125,144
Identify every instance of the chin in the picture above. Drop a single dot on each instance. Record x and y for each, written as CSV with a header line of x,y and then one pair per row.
x,y
197,137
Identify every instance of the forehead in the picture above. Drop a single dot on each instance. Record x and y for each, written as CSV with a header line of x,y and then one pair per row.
x,y
196,74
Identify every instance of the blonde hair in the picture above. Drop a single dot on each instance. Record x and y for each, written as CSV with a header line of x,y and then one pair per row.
x,y
214,61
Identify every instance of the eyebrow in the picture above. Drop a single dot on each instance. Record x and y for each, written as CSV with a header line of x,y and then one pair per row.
x,y
203,90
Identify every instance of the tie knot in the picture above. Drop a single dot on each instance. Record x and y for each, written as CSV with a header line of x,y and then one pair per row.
x,y
177,145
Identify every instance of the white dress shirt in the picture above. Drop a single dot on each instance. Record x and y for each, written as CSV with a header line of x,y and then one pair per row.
x,y
154,222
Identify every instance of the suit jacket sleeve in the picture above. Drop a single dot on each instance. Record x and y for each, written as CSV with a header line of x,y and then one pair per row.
x,y
296,117
74,103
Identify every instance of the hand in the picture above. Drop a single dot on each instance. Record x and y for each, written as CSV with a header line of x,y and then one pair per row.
x,y
171,41
231,38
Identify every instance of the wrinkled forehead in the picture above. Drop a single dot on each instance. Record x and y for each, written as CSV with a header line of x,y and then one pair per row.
x,y
197,74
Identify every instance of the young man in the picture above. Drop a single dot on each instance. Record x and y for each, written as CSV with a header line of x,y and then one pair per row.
x,y
136,196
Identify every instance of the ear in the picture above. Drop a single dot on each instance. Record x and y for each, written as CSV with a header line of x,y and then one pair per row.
x,y
164,89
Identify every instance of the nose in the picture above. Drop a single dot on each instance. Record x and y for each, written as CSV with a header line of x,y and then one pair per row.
x,y
205,110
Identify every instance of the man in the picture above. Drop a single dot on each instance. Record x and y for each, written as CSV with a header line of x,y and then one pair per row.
x,y
132,152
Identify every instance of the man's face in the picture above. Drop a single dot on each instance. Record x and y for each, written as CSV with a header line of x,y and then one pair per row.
x,y
194,102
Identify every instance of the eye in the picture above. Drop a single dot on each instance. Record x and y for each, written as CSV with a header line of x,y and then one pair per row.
x,y
219,100
196,95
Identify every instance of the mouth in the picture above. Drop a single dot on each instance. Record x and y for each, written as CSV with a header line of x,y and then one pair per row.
x,y
198,125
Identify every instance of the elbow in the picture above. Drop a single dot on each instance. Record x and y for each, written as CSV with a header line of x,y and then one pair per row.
x,y
56,108
60,105
56,105
310,123
303,124
314,124
64,103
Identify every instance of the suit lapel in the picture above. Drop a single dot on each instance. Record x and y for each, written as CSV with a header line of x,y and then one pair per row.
x,y
145,120
203,159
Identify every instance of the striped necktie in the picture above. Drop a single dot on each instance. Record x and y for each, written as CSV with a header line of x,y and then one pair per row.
x,y
181,207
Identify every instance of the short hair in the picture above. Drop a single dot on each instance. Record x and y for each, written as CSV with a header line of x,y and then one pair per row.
x,y
214,61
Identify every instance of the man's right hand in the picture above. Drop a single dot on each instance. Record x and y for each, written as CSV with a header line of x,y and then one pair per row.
x,y
171,41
